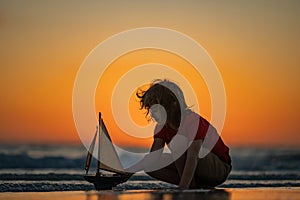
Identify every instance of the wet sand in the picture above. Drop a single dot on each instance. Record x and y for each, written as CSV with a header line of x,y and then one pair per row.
x,y
292,193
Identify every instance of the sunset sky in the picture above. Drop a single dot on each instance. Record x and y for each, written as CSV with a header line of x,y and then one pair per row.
x,y
255,45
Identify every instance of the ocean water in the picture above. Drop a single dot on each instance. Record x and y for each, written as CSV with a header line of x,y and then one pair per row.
x,y
61,168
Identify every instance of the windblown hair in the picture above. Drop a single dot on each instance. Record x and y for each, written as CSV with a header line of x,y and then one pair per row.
x,y
168,95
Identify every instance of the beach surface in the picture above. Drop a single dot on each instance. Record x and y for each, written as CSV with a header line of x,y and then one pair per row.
x,y
217,194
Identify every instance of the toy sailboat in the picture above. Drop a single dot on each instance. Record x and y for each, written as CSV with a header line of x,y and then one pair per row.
x,y
109,162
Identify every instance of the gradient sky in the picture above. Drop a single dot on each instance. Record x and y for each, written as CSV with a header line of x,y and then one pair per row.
x,y
255,45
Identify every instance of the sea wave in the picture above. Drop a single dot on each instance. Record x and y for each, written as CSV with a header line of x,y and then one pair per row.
x,y
242,159
25,161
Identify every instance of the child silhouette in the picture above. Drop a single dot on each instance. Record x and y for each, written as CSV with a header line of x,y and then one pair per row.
x,y
184,132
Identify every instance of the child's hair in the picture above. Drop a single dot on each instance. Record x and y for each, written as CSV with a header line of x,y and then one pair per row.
x,y
167,94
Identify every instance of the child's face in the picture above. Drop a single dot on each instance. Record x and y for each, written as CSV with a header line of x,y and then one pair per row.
x,y
158,113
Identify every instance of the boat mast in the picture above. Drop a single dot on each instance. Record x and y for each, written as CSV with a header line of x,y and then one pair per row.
x,y
99,134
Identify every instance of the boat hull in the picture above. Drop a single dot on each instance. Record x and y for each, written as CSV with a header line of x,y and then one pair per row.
x,y
106,182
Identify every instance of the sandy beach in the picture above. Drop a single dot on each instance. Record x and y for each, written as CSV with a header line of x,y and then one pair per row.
x,y
291,193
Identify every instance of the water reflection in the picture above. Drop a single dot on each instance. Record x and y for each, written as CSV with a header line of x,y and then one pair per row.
x,y
218,194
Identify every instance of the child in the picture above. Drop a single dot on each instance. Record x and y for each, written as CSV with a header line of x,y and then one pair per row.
x,y
184,132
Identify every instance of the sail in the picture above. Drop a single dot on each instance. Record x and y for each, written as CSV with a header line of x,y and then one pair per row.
x,y
109,159
90,153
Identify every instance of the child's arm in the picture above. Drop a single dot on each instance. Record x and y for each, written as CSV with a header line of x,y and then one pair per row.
x,y
190,164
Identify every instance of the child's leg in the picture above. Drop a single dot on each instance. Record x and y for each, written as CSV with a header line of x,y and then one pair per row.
x,y
167,174
172,173
211,171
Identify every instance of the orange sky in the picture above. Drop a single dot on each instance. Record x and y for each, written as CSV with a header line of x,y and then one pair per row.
x,y
255,45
